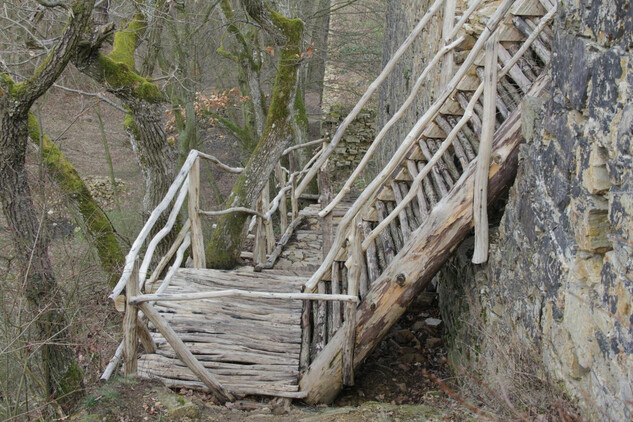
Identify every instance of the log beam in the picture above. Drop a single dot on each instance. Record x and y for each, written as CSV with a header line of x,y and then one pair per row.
x,y
424,254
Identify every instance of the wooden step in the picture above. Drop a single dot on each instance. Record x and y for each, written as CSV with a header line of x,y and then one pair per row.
x,y
528,8
452,107
434,131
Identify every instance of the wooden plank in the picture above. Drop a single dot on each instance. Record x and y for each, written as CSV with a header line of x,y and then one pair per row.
x,y
353,289
327,227
452,107
306,336
239,293
386,194
385,235
283,208
424,207
448,23
402,215
480,204
373,271
528,8
185,355
193,206
509,33
434,131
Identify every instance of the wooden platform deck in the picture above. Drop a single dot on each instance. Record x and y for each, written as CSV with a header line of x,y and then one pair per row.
x,y
252,346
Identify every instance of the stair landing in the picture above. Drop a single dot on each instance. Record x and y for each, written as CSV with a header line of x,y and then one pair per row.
x,y
251,346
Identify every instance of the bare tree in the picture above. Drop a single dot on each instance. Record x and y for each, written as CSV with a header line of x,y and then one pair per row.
x,y
62,376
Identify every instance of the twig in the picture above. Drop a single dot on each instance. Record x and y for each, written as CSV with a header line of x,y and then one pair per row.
x,y
92,94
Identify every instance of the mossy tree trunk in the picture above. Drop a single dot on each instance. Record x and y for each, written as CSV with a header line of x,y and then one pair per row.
x,y
96,223
62,376
144,100
246,55
224,248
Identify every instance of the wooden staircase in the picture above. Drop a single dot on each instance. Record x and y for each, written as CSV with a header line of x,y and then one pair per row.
x,y
233,332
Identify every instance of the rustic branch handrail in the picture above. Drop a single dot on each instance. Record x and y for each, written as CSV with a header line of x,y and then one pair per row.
x,y
370,91
383,132
304,145
149,224
240,293
404,148
451,137
217,162
425,171
173,249
180,254
171,220
232,210
274,205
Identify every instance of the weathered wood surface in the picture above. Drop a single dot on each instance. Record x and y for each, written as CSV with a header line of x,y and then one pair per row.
x,y
480,202
424,253
248,345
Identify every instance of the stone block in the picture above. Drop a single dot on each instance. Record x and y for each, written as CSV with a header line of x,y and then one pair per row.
x,y
590,222
595,177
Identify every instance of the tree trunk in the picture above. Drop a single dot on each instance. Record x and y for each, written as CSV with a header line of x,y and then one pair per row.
x,y
224,248
62,376
144,100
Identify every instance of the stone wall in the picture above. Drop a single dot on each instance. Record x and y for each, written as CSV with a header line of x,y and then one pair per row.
x,y
558,288
353,146
402,17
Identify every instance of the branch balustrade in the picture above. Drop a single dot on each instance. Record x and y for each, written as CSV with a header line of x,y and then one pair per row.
x,y
350,265
362,246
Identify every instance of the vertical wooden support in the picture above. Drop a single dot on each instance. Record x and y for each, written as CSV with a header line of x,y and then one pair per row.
x,y
336,289
353,282
294,197
130,337
320,326
259,250
325,191
270,234
306,336
480,205
197,240
447,28
283,207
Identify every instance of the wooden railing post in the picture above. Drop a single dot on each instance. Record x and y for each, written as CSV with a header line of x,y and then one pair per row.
x,y
294,198
270,234
197,239
480,205
259,250
283,208
447,29
325,196
130,334
353,283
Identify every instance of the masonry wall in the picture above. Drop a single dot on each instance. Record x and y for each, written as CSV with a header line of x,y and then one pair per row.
x,y
557,292
402,17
